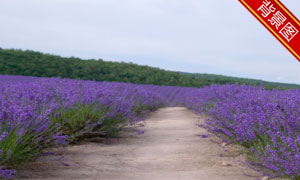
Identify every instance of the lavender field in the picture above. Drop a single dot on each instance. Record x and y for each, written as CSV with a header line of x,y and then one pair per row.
x,y
37,113
266,122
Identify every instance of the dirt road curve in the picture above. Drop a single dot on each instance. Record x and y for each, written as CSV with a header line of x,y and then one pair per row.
x,y
171,148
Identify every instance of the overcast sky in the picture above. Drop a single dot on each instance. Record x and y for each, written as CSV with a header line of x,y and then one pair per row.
x,y
205,36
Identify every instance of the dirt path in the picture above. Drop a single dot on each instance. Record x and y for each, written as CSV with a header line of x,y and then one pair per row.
x,y
171,148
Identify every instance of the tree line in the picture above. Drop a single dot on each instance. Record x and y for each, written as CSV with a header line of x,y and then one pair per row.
x,y
31,63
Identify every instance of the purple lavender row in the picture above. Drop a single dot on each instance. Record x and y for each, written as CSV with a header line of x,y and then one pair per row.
x,y
36,113
266,122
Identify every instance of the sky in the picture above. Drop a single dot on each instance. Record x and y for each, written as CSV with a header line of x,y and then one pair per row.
x,y
203,36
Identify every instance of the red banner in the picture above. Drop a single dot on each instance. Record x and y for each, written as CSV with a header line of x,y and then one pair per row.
x,y
279,21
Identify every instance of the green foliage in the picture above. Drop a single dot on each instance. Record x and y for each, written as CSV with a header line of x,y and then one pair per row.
x,y
17,148
30,63
82,121
219,79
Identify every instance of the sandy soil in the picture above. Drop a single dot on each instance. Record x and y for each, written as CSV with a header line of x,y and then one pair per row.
x,y
172,147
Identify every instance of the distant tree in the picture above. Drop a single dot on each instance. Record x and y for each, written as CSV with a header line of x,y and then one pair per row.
x,y
30,63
